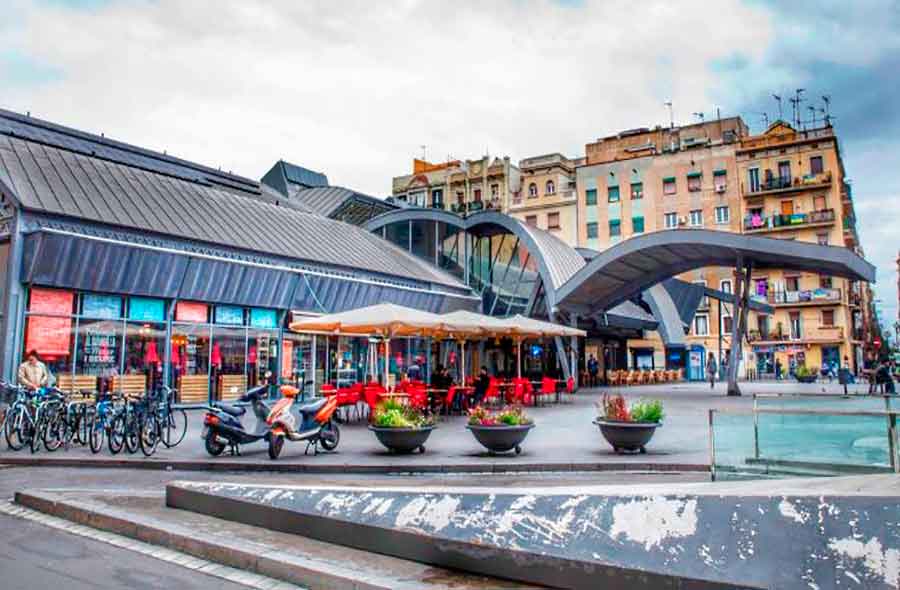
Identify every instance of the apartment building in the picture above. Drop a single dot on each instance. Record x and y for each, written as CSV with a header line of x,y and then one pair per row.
x,y
548,198
646,180
793,187
461,186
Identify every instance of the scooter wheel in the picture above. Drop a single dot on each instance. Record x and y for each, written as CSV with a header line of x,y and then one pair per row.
x,y
518,450
421,448
275,445
213,446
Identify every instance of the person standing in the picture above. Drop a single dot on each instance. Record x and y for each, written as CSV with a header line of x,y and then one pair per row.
x,y
33,374
481,386
778,369
593,368
844,374
711,369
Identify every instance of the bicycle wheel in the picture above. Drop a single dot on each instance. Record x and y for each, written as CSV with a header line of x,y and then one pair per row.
x,y
132,432
175,428
54,432
37,434
149,434
116,436
95,437
11,430
84,419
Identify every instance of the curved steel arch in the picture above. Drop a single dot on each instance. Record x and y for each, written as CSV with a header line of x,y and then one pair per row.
x,y
638,263
557,261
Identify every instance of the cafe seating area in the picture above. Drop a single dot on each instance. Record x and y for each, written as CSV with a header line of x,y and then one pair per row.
x,y
644,376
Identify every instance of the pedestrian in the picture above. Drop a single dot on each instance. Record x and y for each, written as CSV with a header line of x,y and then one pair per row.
x,y
778,369
593,368
711,369
33,374
844,374
481,385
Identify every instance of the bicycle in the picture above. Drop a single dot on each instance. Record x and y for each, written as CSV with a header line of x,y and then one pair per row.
x,y
104,410
19,428
173,421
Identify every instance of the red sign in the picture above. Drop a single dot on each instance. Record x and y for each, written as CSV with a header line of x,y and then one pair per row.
x,y
287,359
49,336
877,343
189,311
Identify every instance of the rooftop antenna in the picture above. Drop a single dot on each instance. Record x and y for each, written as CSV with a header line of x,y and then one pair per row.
x,y
812,109
765,118
780,111
826,98
796,101
699,116
668,103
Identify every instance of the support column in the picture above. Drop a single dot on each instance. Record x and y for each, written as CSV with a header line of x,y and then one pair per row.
x,y
742,300
574,351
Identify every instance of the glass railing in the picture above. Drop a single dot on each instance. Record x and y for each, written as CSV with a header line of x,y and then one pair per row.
x,y
819,435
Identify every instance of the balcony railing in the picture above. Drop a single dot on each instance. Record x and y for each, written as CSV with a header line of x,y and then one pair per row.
x,y
809,296
787,183
780,222
806,334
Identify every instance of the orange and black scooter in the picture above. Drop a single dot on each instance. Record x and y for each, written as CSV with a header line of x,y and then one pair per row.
x,y
311,422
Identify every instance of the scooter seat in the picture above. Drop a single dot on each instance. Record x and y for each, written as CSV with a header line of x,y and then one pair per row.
x,y
312,406
236,411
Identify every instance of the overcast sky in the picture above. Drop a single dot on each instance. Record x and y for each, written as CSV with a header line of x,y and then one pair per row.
x,y
354,89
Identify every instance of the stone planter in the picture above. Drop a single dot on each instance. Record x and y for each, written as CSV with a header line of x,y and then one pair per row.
x,y
500,439
627,436
403,440
806,378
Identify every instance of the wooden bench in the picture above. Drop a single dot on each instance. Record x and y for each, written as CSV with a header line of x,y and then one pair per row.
x,y
130,385
193,389
232,387
76,383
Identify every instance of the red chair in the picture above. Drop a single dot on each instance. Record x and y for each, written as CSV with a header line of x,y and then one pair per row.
x,y
371,395
570,388
418,397
548,387
328,389
492,395
347,399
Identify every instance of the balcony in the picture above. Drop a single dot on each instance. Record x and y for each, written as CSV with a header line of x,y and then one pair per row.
x,y
758,224
807,335
787,184
805,298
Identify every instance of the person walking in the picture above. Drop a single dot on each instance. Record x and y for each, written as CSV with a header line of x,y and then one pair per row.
x,y
593,368
32,373
844,375
711,369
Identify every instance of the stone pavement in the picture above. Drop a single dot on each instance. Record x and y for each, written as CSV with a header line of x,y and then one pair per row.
x,y
564,438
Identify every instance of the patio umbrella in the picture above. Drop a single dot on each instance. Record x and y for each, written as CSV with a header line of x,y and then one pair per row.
x,y
543,329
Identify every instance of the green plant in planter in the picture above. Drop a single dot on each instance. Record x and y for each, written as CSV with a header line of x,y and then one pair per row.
x,y
647,411
804,372
391,414
508,416
614,408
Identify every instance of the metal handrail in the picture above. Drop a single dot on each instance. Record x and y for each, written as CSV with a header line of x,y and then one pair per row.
x,y
891,415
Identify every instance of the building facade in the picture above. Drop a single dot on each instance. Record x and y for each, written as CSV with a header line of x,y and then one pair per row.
x,y
548,199
461,186
647,180
793,187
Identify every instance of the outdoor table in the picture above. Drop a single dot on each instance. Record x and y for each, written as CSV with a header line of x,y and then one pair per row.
x,y
433,397
465,393
402,398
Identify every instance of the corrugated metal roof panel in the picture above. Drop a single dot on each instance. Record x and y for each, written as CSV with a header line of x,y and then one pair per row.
x,y
305,176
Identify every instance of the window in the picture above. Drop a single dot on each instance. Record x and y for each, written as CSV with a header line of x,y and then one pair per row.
x,y
784,173
552,220
551,188
697,217
495,191
819,203
531,220
460,197
704,301
720,180
727,324
532,190
815,165
725,286
826,282
669,185
792,283
822,238
637,225
701,324
615,228
590,196
795,326
753,180
613,193
694,182
762,322
437,199
827,317
637,190
592,231
671,220
723,214
477,195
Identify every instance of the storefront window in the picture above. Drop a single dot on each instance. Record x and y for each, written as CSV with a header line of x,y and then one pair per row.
x,y
49,329
227,362
296,361
262,356
190,362
145,346
99,351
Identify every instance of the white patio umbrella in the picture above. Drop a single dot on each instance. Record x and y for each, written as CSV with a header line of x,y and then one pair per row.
x,y
543,328
462,325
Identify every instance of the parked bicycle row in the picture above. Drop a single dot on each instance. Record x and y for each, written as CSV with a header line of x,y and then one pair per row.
x,y
48,418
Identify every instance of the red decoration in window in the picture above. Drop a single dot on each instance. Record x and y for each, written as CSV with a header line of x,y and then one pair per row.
x,y
189,311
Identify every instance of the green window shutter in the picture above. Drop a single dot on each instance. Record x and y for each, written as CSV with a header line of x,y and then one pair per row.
x,y
615,227
590,196
637,225
669,179
720,172
694,174
613,194
592,231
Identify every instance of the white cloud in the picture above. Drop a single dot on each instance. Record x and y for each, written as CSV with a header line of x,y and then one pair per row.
x,y
352,91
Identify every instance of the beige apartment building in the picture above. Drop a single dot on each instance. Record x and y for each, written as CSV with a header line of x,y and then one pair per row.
x,y
548,198
460,185
646,180
793,187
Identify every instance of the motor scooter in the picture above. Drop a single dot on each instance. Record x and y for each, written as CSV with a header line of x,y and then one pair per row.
x,y
222,425
311,422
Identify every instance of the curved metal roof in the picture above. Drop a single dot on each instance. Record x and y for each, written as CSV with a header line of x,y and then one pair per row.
x,y
557,261
638,263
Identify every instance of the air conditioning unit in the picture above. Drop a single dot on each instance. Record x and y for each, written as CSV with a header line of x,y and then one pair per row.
x,y
682,220
720,187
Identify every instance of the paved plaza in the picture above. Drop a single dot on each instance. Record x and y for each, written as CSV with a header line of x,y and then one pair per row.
x,y
563,439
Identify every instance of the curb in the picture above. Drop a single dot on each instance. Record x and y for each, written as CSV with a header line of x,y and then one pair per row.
x,y
385,469
243,555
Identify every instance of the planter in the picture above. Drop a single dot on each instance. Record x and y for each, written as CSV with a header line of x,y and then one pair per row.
x,y
403,440
806,378
627,436
500,439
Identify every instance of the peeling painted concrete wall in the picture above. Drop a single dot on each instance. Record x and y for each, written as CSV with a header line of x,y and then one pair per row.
x,y
753,541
